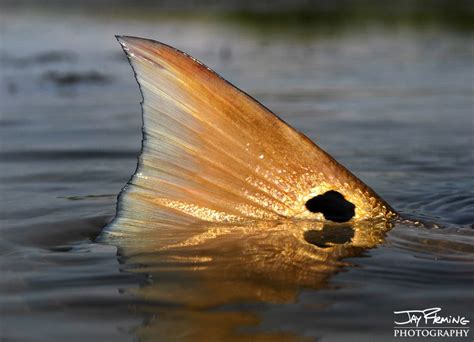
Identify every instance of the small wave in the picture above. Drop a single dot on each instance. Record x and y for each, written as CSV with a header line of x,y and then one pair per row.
x,y
55,155
73,78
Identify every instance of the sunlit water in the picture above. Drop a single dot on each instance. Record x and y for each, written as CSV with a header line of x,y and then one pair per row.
x,y
394,106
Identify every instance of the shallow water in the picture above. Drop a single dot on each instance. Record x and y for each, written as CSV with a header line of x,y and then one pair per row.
x,y
394,106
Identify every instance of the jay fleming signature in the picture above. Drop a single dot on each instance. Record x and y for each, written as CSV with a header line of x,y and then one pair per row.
x,y
428,317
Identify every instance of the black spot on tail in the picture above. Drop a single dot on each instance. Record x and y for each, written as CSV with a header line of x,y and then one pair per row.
x,y
332,205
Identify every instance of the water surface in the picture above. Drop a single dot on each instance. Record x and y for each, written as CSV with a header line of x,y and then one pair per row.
x,y
393,105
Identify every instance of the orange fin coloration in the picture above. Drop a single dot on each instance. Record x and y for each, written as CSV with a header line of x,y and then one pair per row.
x,y
212,153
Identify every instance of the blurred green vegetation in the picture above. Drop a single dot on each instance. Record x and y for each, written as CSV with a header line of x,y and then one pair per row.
x,y
452,18
275,16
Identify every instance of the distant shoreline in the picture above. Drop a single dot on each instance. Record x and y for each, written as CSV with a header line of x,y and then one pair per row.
x,y
283,14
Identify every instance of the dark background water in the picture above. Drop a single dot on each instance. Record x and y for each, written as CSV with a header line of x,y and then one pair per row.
x,y
387,91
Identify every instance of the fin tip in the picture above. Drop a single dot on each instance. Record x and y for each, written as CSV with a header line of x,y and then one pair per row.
x,y
126,40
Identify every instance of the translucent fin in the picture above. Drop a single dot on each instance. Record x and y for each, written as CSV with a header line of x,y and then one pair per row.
x,y
212,153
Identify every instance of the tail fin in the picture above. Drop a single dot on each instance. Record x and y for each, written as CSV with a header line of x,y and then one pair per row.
x,y
212,153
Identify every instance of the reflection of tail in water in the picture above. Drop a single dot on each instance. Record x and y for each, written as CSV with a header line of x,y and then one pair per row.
x,y
222,265
228,202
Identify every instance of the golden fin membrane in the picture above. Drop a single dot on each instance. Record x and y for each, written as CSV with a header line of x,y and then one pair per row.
x,y
211,153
